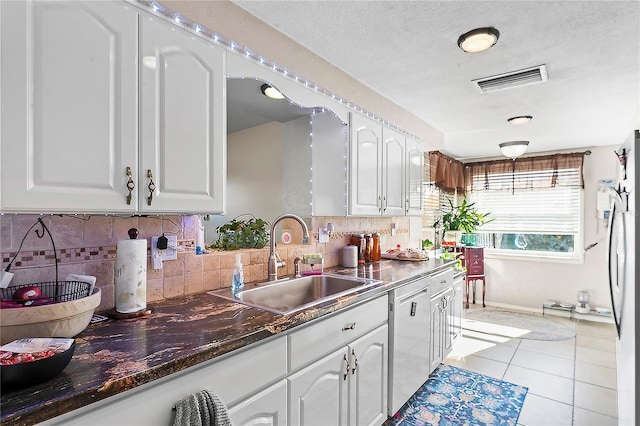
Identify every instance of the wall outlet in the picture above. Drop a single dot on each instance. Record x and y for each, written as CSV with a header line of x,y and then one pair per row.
x,y
170,253
5,278
323,235
393,229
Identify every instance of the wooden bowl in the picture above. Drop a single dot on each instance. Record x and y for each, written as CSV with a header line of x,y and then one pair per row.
x,y
64,319
28,373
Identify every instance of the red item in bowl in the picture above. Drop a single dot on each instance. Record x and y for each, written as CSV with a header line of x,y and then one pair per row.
x,y
27,293
8,303
11,358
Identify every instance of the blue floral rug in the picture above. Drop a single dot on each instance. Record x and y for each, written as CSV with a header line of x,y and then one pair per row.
x,y
453,396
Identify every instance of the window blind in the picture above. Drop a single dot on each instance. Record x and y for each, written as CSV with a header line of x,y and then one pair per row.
x,y
533,206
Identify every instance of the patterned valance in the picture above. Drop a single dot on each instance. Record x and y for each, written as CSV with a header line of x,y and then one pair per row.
x,y
445,172
544,171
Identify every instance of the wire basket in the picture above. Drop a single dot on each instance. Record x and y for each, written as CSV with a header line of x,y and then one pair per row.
x,y
55,291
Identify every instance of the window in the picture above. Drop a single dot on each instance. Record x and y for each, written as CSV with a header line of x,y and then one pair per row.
x,y
435,198
536,208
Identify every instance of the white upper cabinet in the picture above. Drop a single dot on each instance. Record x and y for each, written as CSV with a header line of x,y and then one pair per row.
x,y
101,98
182,120
414,190
385,172
68,106
393,172
366,166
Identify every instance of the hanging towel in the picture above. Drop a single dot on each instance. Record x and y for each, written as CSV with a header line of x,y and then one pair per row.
x,y
203,408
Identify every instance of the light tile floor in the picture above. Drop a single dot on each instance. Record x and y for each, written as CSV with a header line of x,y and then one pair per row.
x,y
571,382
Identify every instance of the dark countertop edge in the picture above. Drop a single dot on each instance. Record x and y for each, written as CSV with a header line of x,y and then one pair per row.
x,y
67,403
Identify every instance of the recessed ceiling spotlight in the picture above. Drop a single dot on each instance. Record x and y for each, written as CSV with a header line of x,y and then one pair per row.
x,y
478,40
521,119
271,92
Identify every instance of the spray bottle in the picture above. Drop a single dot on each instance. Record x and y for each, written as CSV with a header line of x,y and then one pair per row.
x,y
238,275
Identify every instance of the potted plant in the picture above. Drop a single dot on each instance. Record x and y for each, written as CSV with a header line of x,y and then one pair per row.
x,y
457,220
237,234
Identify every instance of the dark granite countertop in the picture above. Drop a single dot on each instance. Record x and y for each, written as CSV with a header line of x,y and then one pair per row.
x,y
117,355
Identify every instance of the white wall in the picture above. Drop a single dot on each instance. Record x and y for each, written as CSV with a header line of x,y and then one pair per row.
x,y
529,283
254,172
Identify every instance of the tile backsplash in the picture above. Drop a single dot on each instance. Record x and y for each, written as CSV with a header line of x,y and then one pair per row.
x,y
86,244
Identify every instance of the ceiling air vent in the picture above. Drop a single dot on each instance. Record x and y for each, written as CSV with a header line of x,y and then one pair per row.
x,y
512,79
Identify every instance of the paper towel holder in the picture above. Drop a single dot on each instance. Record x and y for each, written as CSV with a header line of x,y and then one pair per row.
x,y
147,310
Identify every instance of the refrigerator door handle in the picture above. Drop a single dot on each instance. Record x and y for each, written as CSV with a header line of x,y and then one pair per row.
x,y
616,282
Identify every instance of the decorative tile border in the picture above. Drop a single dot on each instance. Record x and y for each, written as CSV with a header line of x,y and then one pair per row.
x,y
39,258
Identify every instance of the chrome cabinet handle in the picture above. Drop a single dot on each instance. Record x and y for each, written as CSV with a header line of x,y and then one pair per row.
x,y
355,365
380,199
351,326
130,185
346,373
152,187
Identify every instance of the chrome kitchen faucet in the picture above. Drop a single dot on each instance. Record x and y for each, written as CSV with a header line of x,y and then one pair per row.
x,y
274,260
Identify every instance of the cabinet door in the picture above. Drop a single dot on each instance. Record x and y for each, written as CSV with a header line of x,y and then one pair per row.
x,y
68,105
182,120
365,193
368,385
318,393
393,173
449,300
414,175
455,310
267,408
410,347
436,338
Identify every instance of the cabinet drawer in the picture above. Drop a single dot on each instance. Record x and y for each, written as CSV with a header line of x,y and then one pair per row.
x,y
314,341
470,263
475,270
474,253
440,281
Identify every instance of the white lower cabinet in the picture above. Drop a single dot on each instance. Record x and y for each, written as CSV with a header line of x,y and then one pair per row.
x,y
266,408
441,338
346,387
241,380
455,310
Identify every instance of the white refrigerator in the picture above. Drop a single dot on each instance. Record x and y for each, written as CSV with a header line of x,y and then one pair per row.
x,y
624,291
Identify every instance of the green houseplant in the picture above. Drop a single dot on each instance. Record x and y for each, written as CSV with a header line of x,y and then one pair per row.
x,y
237,234
464,218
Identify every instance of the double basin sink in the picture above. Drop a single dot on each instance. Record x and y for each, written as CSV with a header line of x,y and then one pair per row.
x,y
290,295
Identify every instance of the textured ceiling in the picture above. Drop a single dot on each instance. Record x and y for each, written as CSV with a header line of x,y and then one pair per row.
x,y
407,51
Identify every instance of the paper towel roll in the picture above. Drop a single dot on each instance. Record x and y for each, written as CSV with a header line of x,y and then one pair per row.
x,y
131,276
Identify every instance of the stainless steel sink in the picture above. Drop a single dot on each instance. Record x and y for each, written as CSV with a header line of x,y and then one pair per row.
x,y
289,295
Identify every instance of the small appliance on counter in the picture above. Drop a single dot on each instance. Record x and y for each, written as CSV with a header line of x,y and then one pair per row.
x,y
349,256
583,302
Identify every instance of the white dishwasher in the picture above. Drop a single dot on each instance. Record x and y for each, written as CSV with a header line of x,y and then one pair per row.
x,y
408,341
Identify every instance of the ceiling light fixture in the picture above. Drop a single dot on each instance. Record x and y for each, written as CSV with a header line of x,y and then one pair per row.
x,y
521,119
514,149
478,40
271,92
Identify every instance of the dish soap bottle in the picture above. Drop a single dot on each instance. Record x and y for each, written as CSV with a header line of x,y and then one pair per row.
x,y
238,276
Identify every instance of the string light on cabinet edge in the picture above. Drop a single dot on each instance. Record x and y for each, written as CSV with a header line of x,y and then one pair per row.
x,y
201,31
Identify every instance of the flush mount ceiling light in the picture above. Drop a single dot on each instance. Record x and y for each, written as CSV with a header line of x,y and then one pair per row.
x,y
271,92
521,119
478,40
514,149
